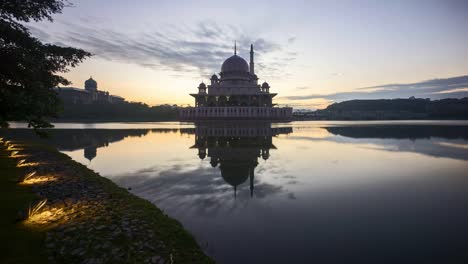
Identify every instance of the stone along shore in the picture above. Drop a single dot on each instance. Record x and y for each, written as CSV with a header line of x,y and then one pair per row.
x,y
86,218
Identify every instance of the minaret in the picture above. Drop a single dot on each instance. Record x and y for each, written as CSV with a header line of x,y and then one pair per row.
x,y
252,70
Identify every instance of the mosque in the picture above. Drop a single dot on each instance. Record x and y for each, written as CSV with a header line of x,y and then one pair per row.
x,y
90,94
235,95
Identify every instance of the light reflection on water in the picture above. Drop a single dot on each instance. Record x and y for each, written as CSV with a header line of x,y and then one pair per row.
x,y
297,192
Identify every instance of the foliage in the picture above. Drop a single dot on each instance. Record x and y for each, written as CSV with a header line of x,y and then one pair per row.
x,y
392,109
29,69
404,108
118,112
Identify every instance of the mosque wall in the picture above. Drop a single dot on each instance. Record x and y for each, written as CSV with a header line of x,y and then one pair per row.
x,y
242,112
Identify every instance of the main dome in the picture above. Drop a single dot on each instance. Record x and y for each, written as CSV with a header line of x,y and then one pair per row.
x,y
235,64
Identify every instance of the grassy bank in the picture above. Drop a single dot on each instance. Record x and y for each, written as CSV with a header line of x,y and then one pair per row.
x,y
86,218
18,243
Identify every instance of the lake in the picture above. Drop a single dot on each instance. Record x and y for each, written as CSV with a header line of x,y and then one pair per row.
x,y
297,192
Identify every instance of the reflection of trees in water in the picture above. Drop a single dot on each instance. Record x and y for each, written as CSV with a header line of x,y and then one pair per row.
x,y
401,131
92,139
437,141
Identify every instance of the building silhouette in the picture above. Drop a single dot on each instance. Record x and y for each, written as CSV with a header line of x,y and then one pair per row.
x,y
235,94
90,94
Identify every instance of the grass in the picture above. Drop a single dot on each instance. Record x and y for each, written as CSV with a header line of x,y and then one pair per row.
x,y
182,247
18,244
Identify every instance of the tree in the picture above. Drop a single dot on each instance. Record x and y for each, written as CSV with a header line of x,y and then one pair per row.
x,y
28,68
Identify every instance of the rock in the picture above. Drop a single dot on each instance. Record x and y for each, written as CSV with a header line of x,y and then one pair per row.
x,y
155,259
71,229
106,245
90,261
115,251
77,251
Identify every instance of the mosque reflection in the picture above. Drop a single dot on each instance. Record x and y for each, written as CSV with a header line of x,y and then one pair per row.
x,y
235,148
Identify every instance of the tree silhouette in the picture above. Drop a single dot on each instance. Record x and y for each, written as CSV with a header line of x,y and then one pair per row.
x,y
28,68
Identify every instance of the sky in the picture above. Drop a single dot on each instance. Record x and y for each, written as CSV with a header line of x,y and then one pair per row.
x,y
312,53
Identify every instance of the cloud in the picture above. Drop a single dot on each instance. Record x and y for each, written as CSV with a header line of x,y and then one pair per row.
x,y
302,88
199,49
455,87
291,40
185,188
337,74
454,90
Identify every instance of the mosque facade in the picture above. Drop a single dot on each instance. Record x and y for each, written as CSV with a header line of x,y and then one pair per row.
x,y
235,95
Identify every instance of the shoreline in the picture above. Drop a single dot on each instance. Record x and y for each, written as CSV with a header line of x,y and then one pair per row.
x,y
86,218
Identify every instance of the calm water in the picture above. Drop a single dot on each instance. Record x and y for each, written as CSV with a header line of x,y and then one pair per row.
x,y
296,192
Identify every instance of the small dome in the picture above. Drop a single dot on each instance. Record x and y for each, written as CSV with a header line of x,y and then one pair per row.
x,y
235,64
202,85
214,77
265,85
90,84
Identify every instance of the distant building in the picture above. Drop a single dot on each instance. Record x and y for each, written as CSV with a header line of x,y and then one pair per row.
x,y
234,95
90,94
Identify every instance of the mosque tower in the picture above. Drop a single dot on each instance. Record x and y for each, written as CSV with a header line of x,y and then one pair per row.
x,y
251,64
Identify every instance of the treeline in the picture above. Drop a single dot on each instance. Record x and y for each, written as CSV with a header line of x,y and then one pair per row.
x,y
380,109
118,112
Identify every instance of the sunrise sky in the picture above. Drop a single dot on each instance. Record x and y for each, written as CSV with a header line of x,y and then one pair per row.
x,y
311,52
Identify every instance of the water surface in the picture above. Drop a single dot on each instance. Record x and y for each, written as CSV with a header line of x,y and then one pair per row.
x,y
298,192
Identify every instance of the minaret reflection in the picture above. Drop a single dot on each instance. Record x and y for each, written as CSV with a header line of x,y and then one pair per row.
x,y
235,148
90,152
